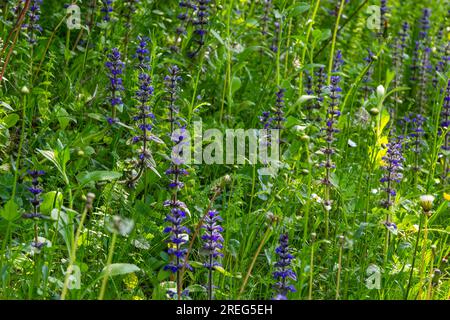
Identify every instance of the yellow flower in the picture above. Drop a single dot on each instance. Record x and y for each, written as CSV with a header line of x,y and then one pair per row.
x,y
447,196
137,298
131,281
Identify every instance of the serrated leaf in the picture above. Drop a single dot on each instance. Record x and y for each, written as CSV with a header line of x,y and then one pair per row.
x,y
10,211
116,269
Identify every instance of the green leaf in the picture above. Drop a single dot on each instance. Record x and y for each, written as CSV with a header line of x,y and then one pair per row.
x,y
384,120
163,274
217,36
235,84
50,201
52,156
10,211
63,118
233,247
116,269
225,272
10,120
299,8
96,116
196,288
95,176
196,264
6,106
305,98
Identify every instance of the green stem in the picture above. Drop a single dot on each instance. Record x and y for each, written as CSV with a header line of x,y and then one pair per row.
x,y
333,42
311,271
308,34
108,263
414,258
73,254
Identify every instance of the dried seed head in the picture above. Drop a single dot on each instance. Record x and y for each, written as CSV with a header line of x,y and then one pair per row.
x,y
426,202
90,200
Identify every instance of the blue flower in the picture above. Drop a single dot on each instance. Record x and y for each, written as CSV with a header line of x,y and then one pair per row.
x,y
425,24
276,37
332,116
178,209
368,76
213,240
144,115
35,201
115,67
338,61
33,20
142,53
283,273
107,9
392,165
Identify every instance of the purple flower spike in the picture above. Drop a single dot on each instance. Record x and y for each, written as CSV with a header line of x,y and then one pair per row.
x,y
283,273
393,165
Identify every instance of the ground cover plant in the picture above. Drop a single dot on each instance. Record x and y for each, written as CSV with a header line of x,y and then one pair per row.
x,y
224,149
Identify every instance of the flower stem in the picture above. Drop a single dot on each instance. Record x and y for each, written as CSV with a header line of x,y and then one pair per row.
x,y
108,263
333,42
414,257
73,254
311,270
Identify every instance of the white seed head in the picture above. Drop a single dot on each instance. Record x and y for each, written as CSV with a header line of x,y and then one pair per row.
x,y
426,201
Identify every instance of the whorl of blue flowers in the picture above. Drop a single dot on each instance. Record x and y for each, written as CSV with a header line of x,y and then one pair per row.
x,y
178,209
309,91
424,73
212,237
415,61
274,119
35,191
330,130
383,19
142,53
143,95
130,9
115,67
33,20
400,44
338,61
202,20
35,201
107,8
319,86
416,131
392,165
276,36
283,273
278,117
367,89
424,24
184,17
266,17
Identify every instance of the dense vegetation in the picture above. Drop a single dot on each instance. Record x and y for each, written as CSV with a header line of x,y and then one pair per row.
x,y
97,107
